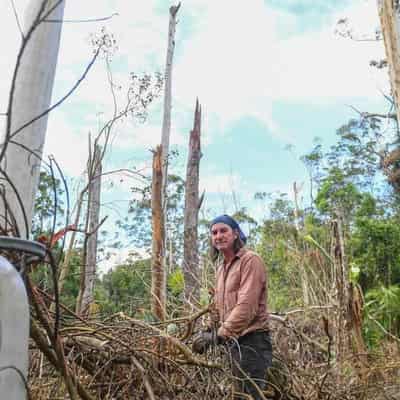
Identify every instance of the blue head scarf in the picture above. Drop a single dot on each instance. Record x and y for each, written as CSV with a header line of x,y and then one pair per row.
x,y
227,220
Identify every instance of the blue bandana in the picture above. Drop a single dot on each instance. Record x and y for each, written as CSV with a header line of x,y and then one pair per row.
x,y
227,220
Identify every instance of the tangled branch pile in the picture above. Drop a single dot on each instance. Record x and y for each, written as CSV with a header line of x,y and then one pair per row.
x,y
306,367
124,358
118,358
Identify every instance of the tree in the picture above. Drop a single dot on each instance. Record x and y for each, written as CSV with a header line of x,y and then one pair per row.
x,y
375,251
27,112
159,281
337,195
141,92
126,288
88,273
166,125
158,276
390,18
389,14
45,210
192,204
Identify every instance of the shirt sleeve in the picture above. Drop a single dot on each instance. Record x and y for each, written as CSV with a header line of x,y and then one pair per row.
x,y
252,282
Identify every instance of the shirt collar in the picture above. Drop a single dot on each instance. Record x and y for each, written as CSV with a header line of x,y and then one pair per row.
x,y
239,254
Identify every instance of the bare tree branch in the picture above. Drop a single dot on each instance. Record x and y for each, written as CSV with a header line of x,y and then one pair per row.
x,y
364,114
78,21
59,102
17,19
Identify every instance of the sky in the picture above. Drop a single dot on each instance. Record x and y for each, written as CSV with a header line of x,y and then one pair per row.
x,y
268,74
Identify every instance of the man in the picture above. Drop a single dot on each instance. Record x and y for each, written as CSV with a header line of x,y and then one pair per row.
x,y
240,299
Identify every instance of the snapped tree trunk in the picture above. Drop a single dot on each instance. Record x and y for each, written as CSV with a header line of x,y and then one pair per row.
x,y
30,96
88,270
158,277
190,249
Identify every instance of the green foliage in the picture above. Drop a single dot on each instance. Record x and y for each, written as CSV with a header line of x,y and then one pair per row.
x,y
42,277
45,209
126,288
383,306
137,223
277,235
376,251
356,152
337,194
176,283
175,292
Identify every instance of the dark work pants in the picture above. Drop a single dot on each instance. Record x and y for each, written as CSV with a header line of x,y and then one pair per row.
x,y
251,356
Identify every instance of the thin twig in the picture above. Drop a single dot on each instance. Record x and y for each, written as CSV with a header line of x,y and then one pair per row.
x,y
17,19
78,21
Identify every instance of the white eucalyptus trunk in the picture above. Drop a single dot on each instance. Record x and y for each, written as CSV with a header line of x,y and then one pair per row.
x,y
159,271
166,125
31,97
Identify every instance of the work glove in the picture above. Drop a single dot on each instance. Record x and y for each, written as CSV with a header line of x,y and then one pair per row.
x,y
203,341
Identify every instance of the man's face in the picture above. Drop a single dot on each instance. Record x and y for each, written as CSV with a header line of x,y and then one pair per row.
x,y
222,236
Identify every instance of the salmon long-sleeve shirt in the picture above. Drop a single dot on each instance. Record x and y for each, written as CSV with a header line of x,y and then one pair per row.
x,y
241,295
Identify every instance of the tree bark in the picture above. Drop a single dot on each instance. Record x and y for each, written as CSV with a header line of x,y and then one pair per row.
x,y
64,269
341,295
158,277
298,226
30,96
389,15
166,125
160,182
190,248
88,272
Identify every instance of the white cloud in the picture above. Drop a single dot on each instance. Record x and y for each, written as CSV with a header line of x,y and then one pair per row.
x,y
121,256
67,144
220,183
238,66
225,64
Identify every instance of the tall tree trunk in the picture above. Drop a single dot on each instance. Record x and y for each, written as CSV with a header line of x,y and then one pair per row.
x,y
158,277
159,187
340,294
88,271
303,272
190,245
30,96
166,125
389,14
